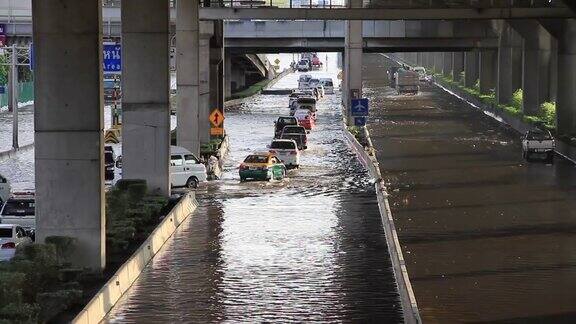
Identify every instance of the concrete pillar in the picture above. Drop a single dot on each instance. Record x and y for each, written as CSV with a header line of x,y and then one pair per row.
x,y
145,93
447,66
457,65
536,64
204,89
486,71
217,67
188,75
68,125
353,58
419,59
470,68
504,86
566,104
553,86
227,75
438,62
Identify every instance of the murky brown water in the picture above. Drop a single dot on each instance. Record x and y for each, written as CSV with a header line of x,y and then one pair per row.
x,y
309,248
487,237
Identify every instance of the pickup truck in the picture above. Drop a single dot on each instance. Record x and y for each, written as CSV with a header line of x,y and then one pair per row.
x,y
538,143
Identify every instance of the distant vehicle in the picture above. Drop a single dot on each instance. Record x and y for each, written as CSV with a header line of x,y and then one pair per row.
x,y
311,93
109,163
287,151
5,189
407,81
262,166
313,82
303,81
11,237
316,64
305,118
320,89
281,122
19,209
303,66
293,97
112,90
538,143
422,76
305,103
328,85
186,170
296,133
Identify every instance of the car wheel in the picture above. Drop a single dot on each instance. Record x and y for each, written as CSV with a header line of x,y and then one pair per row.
x,y
192,183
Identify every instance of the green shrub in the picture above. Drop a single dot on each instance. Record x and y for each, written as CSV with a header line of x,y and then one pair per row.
x,y
517,99
64,246
548,113
534,120
512,111
123,184
52,303
137,191
20,313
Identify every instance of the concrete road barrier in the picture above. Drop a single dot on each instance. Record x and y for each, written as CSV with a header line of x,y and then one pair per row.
x,y
11,153
123,279
407,298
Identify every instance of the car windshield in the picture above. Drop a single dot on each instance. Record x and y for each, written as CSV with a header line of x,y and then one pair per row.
x,y
539,136
327,83
306,100
282,145
313,81
5,232
256,159
303,63
287,121
295,129
19,207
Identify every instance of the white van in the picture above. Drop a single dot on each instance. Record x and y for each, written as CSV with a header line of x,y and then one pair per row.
x,y
328,85
186,170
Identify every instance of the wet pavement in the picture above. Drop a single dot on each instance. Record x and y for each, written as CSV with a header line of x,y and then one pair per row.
x,y
307,248
487,237
25,127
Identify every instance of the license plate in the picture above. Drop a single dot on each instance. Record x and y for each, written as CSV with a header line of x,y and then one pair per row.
x,y
253,168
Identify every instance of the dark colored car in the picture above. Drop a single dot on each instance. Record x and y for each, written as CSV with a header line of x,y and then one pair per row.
x,y
281,123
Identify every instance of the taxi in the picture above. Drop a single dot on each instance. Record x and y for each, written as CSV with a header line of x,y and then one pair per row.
x,y
262,166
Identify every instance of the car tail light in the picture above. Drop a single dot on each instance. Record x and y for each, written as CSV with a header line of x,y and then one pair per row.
x,y
293,152
243,167
9,245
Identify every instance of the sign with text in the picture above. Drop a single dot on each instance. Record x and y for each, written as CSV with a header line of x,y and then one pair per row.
x,y
112,58
359,107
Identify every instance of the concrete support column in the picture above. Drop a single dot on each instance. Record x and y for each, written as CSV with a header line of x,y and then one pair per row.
x,y
204,89
486,71
188,75
447,66
68,125
217,67
145,93
438,62
504,85
227,75
457,66
470,68
353,59
566,103
419,59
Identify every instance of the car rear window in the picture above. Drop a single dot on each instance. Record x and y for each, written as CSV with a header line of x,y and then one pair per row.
x,y
5,232
256,159
294,130
282,145
328,83
539,136
20,207
287,121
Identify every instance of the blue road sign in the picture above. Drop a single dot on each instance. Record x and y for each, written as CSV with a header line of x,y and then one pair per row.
x,y
112,58
359,121
2,89
359,107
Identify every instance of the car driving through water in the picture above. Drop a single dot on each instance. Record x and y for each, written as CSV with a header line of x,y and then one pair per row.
x,y
262,166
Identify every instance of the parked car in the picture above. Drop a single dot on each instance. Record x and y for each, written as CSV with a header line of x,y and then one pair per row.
x,y
538,143
5,189
186,170
19,209
303,66
306,118
262,166
281,122
287,151
296,133
328,85
11,237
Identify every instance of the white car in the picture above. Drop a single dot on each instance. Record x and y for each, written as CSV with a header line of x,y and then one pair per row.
x,y
328,85
186,170
303,66
539,143
303,81
287,151
11,237
19,209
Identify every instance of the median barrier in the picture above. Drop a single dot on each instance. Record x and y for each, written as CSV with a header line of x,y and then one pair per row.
x,y
103,302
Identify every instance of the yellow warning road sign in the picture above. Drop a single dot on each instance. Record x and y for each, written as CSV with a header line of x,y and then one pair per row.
x,y
216,117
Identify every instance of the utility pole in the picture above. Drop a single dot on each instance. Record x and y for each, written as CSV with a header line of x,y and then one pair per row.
x,y
13,95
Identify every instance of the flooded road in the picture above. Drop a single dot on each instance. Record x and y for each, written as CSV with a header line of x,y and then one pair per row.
x,y
487,237
307,248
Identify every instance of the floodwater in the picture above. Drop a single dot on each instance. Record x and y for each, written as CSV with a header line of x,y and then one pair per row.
x,y
487,237
308,248
25,127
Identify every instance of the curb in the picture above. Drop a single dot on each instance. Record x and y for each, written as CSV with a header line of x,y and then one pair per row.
x,y
107,297
407,297
10,153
